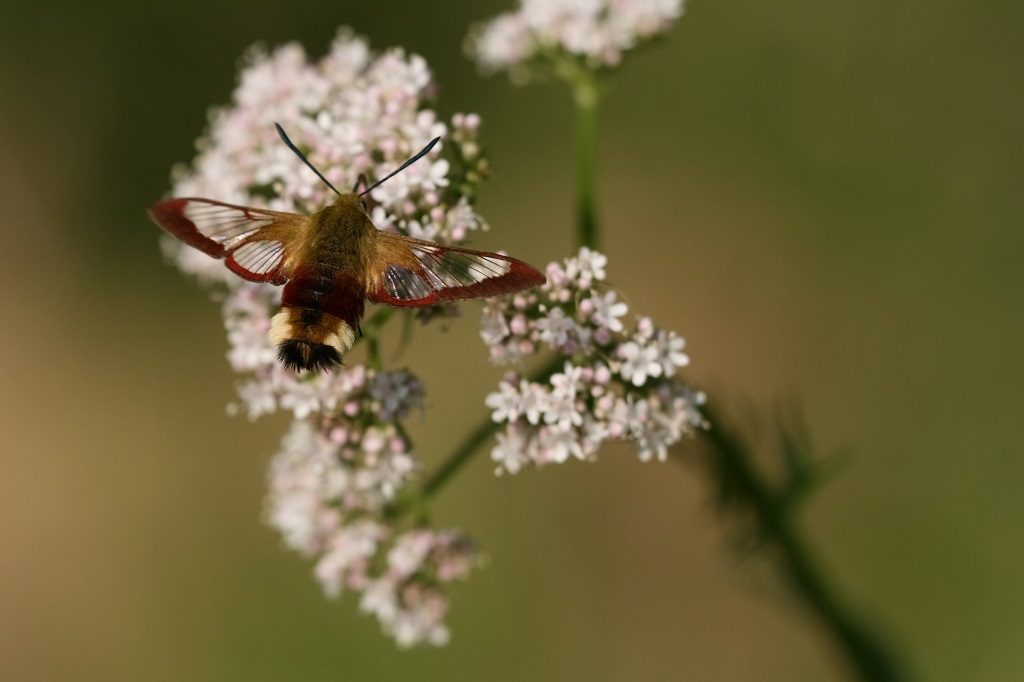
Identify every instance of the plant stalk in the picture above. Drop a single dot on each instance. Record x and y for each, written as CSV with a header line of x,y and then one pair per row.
x,y
586,97
862,649
471,445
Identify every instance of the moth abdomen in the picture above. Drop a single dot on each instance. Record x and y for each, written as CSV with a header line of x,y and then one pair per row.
x,y
316,324
307,338
298,354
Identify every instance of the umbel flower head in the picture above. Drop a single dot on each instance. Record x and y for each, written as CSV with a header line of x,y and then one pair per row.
x,y
591,34
616,382
353,113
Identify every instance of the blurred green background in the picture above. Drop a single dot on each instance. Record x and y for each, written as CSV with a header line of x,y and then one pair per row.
x,y
823,198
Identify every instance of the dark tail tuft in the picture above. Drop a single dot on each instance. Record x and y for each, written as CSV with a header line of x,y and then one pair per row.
x,y
296,354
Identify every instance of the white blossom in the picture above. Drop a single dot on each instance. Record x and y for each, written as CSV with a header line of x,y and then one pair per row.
x,y
493,327
505,402
557,445
347,551
614,382
513,449
596,32
587,267
639,362
410,609
607,311
670,353
555,327
566,383
534,401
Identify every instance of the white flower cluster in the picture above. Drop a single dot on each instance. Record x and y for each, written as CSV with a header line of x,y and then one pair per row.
x,y
346,455
597,32
353,113
613,384
328,489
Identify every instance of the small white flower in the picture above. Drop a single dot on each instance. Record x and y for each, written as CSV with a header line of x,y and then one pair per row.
x,y
381,218
589,268
562,411
670,356
379,598
419,621
425,231
565,384
512,449
409,552
392,192
505,402
250,347
557,445
346,549
647,427
533,401
493,327
461,219
259,397
555,327
506,41
436,175
301,397
652,443
639,362
607,311
593,434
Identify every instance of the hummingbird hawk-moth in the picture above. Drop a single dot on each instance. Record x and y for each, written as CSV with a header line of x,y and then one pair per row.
x,y
332,262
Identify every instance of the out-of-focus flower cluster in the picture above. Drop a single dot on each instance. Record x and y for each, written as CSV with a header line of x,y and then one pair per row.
x,y
329,485
594,33
352,112
616,382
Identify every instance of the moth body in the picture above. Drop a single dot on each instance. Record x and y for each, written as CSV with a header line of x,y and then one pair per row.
x,y
324,299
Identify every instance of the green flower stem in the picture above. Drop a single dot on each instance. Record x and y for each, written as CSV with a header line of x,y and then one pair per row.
x,y
744,486
373,351
586,95
483,433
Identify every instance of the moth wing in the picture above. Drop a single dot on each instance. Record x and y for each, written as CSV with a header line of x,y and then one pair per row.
x,y
409,273
257,243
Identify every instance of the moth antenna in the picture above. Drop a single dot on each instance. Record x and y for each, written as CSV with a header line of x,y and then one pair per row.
x,y
402,167
284,138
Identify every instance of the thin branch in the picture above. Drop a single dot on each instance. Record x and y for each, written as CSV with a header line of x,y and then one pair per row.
x,y
471,445
371,335
586,97
484,432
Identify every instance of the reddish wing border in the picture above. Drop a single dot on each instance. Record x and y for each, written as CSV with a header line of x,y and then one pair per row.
x,y
256,242
412,273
